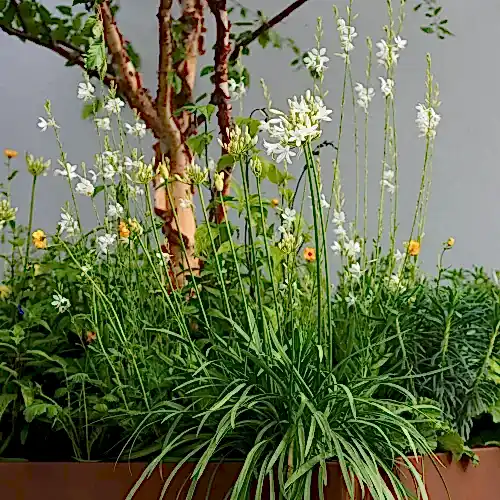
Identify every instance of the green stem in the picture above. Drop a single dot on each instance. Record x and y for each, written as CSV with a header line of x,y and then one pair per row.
x,y
30,223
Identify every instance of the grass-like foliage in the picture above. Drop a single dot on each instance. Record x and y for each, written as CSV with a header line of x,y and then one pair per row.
x,y
287,348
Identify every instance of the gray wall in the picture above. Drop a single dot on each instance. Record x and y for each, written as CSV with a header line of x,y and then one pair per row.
x,y
467,67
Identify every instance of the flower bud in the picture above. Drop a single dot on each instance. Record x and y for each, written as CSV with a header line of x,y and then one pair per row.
x,y
219,181
36,166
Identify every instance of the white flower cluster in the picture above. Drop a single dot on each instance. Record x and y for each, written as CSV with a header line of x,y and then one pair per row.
x,y
365,96
61,303
388,53
301,124
427,121
236,90
315,60
388,179
288,240
346,247
138,129
67,224
347,35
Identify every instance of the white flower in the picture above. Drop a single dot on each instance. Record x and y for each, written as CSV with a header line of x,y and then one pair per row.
x,y
236,90
315,60
365,95
93,176
67,223
386,86
355,270
347,35
300,134
105,241
85,91
340,232
103,123
350,299
61,303
338,218
69,171
115,211
399,256
85,187
114,105
427,121
400,42
352,248
165,256
323,201
388,180
337,248
136,190
185,203
289,216
138,129
43,124
383,53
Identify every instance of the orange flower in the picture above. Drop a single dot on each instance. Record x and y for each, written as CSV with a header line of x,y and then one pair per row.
x,y
39,239
123,229
309,254
275,202
413,248
90,337
10,153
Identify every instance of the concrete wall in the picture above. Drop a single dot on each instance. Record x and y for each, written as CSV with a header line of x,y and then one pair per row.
x,y
467,67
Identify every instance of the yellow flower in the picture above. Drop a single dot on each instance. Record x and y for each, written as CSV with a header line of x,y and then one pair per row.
x,y
123,229
413,248
10,153
5,292
450,242
275,202
309,254
39,239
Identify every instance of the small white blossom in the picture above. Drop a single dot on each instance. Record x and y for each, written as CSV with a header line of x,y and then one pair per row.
x,y
388,180
350,299
352,249
85,187
68,171
365,95
85,91
114,105
61,303
103,123
337,248
323,201
340,232
43,124
315,60
386,86
236,90
347,35
355,270
67,223
185,203
105,241
399,256
136,190
138,129
338,218
400,42
165,256
115,211
93,176
427,121
289,216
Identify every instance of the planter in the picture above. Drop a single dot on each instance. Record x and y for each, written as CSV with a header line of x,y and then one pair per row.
x,y
91,481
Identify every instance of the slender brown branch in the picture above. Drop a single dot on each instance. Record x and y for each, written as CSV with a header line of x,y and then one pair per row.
x,y
74,58
129,79
220,95
265,27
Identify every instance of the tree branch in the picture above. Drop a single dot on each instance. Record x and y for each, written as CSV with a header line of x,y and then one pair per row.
x,y
72,57
265,27
220,95
129,79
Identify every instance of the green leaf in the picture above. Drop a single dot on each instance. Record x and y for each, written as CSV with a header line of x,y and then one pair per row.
x,y
207,70
5,400
64,10
250,123
28,394
224,162
451,441
427,29
97,190
199,142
